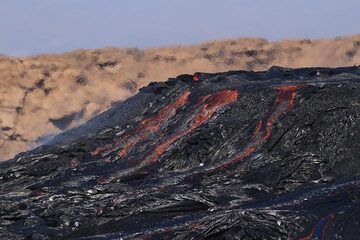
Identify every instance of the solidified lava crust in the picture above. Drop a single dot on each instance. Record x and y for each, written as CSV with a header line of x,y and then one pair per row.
x,y
234,155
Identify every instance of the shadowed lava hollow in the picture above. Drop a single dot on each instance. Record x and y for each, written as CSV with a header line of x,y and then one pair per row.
x,y
235,155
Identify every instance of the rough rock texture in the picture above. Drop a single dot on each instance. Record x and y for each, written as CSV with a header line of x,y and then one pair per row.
x,y
41,96
235,155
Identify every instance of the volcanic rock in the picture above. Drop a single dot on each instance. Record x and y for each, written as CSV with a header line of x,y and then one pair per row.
x,y
234,155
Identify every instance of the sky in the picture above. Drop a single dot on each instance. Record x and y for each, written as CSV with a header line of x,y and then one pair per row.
x,y
29,27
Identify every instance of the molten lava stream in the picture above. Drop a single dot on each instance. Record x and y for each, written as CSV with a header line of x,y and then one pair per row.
x,y
146,127
284,102
208,106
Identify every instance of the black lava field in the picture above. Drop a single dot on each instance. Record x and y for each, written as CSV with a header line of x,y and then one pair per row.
x,y
234,155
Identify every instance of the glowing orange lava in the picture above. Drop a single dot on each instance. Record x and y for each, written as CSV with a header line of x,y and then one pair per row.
x,y
196,77
146,127
284,102
257,130
209,105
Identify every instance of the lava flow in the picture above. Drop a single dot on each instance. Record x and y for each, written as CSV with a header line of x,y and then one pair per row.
x,y
284,102
146,127
209,105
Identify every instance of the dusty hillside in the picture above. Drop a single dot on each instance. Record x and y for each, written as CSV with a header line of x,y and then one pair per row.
x,y
43,95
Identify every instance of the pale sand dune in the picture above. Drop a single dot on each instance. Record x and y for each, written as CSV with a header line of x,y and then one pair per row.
x,y
37,91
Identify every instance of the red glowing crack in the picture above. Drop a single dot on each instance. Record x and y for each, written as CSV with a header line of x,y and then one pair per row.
x,y
146,127
284,102
209,105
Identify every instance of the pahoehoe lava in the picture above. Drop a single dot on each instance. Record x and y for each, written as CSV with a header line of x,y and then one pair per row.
x,y
233,155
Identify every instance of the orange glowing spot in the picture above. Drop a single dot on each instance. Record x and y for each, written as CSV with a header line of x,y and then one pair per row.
x,y
196,77
291,88
122,152
195,226
100,149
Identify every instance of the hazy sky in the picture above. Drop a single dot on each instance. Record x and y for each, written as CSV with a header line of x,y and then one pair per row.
x,y
43,26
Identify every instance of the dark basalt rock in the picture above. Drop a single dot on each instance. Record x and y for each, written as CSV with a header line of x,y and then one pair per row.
x,y
235,155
